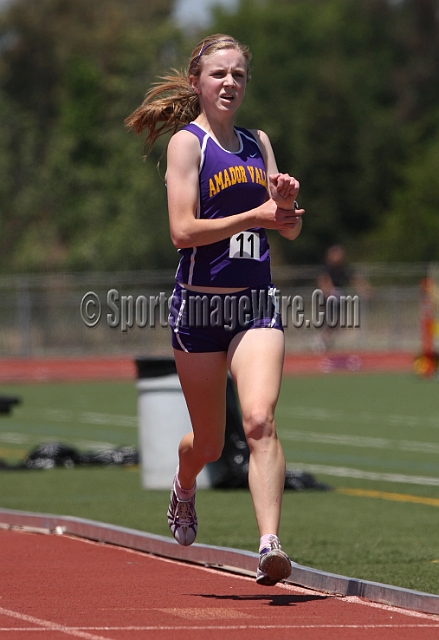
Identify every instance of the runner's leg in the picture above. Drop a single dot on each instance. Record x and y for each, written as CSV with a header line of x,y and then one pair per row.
x,y
256,362
203,379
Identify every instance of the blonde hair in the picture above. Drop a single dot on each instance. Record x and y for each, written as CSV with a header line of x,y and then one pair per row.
x,y
171,102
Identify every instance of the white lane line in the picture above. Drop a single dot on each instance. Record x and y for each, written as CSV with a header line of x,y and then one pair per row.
x,y
360,441
77,630
365,417
107,418
50,626
387,607
367,603
85,417
346,472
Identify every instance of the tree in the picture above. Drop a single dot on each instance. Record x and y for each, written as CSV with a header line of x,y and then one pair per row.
x,y
346,89
410,231
75,192
329,88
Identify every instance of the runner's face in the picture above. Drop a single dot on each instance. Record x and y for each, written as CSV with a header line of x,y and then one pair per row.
x,y
222,81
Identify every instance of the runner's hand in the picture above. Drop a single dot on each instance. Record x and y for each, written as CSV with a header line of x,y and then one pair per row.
x,y
283,189
271,216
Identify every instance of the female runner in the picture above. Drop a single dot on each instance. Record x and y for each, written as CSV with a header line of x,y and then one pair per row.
x,y
224,191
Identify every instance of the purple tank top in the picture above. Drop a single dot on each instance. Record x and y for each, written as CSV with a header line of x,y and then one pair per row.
x,y
229,183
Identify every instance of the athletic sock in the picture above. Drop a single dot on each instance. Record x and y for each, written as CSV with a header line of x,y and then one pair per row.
x,y
265,540
183,494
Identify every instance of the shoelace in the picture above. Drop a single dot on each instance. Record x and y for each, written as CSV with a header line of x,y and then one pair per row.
x,y
273,544
184,513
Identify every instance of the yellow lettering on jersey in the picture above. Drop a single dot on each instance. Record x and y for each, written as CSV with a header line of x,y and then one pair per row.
x,y
227,181
261,177
228,177
258,176
212,190
219,181
251,171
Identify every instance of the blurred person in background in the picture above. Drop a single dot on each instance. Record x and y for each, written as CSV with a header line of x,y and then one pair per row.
x,y
334,279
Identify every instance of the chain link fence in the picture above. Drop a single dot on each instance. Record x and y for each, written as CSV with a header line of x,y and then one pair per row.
x,y
126,312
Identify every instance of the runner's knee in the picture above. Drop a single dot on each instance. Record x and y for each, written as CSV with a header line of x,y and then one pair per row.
x,y
208,452
258,427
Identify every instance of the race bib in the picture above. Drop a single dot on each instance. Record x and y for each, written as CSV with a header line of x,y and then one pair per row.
x,y
245,244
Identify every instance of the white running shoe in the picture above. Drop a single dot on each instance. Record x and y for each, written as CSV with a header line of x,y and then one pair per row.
x,y
274,564
182,519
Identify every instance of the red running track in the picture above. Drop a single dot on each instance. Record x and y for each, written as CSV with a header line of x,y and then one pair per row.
x,y
56,586
123,367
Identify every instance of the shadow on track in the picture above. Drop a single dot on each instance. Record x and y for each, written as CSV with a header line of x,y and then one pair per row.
x,y
273,600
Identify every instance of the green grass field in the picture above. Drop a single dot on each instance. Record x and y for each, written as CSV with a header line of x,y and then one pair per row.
x,y
373,438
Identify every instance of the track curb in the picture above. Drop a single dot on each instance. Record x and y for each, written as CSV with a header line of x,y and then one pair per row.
x,y
233,560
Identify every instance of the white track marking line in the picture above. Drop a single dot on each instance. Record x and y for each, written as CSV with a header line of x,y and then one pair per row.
x,y
360,441
78,630
365,417
387,607
349,472
368,603
50,626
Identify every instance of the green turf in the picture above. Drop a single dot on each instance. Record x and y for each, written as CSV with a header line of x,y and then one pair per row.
x,y
383,424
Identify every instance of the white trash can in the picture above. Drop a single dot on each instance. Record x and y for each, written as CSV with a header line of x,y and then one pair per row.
x,y
163,421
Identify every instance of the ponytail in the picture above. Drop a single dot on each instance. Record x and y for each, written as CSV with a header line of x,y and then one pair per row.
x,y
169,104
